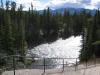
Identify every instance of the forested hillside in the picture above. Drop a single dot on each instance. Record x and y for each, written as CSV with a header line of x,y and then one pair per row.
x,y
20,30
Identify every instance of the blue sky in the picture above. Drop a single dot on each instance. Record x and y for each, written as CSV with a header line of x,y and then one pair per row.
x,y
44,1
54,4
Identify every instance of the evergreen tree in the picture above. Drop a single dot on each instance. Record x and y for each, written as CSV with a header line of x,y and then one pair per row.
x,y
22,45
66,24
8,36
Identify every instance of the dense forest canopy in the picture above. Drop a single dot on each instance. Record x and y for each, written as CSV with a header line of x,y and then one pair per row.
x,y
20,30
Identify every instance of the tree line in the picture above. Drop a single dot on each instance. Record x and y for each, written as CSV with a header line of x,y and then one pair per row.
x,y
21,30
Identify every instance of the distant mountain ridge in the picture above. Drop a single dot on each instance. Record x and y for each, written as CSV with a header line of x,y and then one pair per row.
x,y
71,10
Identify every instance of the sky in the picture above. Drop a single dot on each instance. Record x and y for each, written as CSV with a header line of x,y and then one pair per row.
x,y
55,4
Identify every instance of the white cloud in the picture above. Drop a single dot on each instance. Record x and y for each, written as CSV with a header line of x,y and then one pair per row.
x,y
27,3
94,4
58,2
94,1
89,4
64,3
90,7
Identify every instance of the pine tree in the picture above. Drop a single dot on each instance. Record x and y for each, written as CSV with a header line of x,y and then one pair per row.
x,y
8,36
2,6
22,44
87,51
66,24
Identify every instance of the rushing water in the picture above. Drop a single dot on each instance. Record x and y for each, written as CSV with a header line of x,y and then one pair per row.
x,y
68,48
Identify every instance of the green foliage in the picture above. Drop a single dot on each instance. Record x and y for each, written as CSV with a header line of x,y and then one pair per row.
x,y
12,34
96,43
91,33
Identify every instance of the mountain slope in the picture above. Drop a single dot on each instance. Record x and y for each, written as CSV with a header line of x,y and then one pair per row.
x,y
71,10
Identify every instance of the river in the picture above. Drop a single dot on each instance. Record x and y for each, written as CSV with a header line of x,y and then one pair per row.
x,y
68,48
